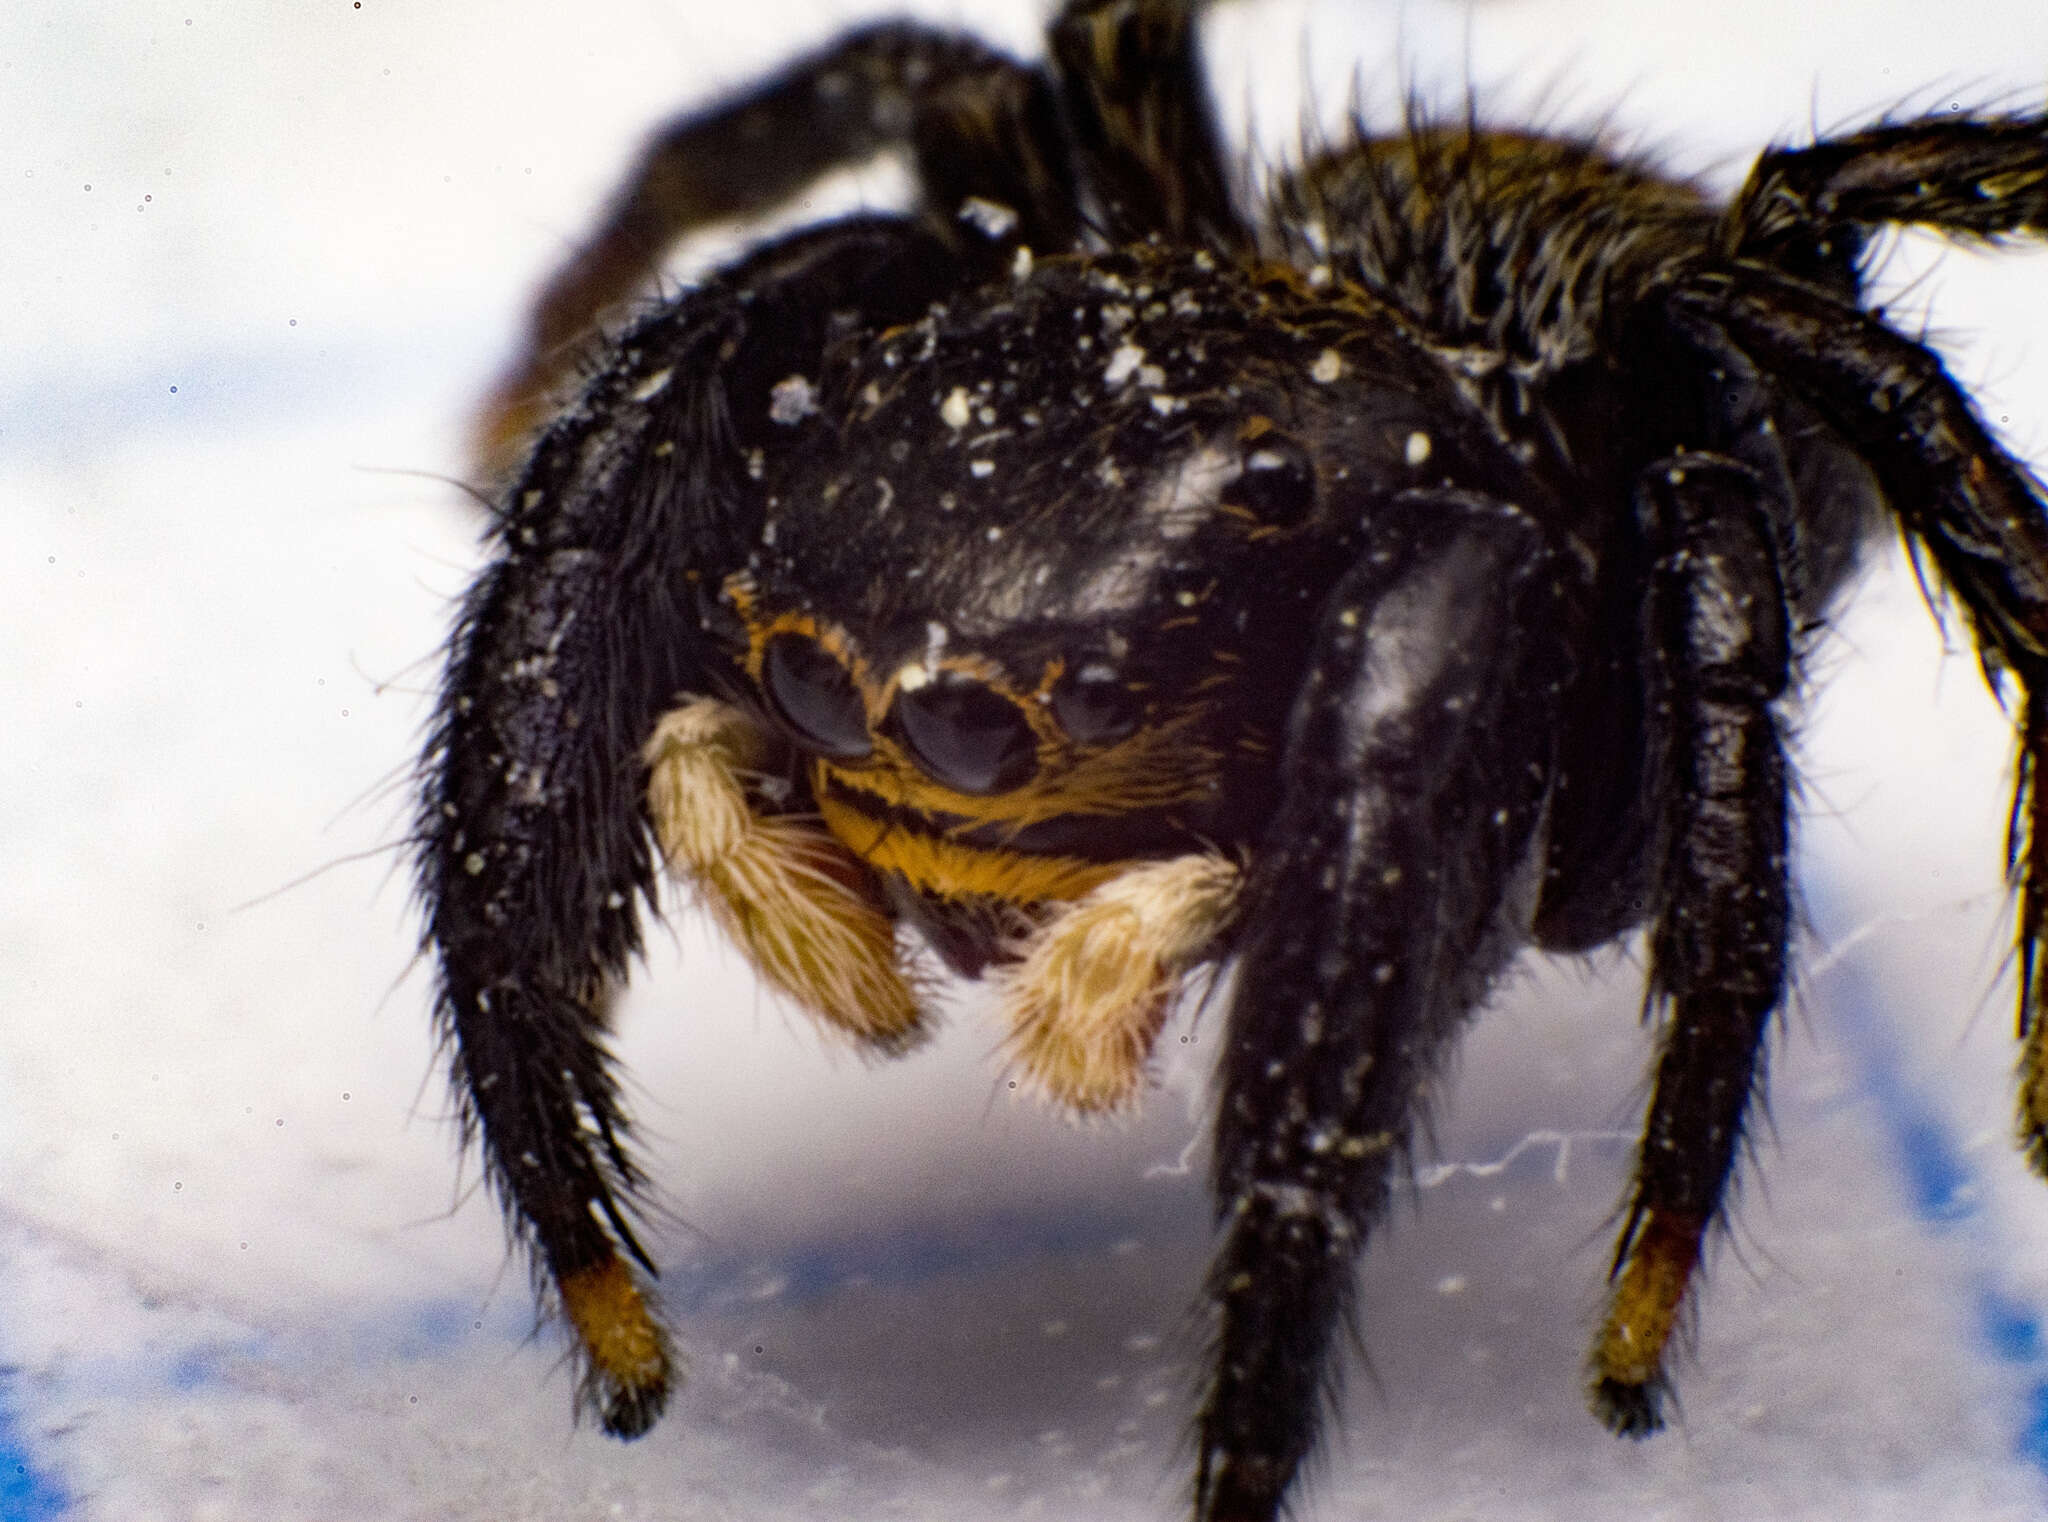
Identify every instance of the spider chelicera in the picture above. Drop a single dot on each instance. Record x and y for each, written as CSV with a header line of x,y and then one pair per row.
x,y
1098,575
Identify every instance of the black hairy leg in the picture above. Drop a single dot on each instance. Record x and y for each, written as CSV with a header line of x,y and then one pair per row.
x,y
1718,648
1973,513
1809,210
1343,1013
537,853
1138,107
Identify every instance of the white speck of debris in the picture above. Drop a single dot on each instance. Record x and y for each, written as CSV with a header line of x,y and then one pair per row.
x,y
1123,364
1185,305
955,411
654,385
1418,447
918,673
994,534
1451,1284
1318,276
1151,377
1166,406
792,399
1328,366
986,417
1020,263
991,219
888,494
981,470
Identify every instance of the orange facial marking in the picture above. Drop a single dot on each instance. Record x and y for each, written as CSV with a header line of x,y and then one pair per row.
x,y
1162,764
952,868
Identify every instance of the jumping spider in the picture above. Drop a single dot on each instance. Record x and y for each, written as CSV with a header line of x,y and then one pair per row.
x,y
1105,576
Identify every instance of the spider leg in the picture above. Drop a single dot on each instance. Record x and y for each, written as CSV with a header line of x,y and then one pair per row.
x,y
1137,103
979,124
1807,210
1416,769
533,831
1719,646
1970,509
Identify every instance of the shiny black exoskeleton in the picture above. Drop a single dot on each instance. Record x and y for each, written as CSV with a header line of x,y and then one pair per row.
x,y
1424,553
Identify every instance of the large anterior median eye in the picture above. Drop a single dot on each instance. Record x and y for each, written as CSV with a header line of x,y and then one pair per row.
x,y
965,735
815,697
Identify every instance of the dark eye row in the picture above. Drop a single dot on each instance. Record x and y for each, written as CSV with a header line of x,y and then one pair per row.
x,y
961,732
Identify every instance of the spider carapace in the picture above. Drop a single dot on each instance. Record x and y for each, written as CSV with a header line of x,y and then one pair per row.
x,y
1105,575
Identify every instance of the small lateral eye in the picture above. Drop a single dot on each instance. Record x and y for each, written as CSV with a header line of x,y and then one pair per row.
x,y
814,695
1094,707
1278,481
966,736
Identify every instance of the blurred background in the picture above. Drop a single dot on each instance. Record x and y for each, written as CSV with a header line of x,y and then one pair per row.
x,y
260,260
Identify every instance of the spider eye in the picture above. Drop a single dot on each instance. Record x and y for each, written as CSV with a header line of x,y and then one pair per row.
x,y
966,736
814,695
1093,707
1278,481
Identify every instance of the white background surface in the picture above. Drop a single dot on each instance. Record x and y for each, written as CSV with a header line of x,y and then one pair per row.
x,y
242,1278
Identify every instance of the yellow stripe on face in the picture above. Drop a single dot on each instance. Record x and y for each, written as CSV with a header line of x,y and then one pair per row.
x,y
953,868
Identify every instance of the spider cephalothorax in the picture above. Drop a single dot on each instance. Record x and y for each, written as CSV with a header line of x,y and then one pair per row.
x,y
1106,578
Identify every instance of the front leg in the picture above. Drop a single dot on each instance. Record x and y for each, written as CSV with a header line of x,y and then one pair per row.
x,y
534,828
1396,880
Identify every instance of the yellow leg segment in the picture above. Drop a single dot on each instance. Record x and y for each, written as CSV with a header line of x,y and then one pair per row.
x,y
628,1353
1642,1313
